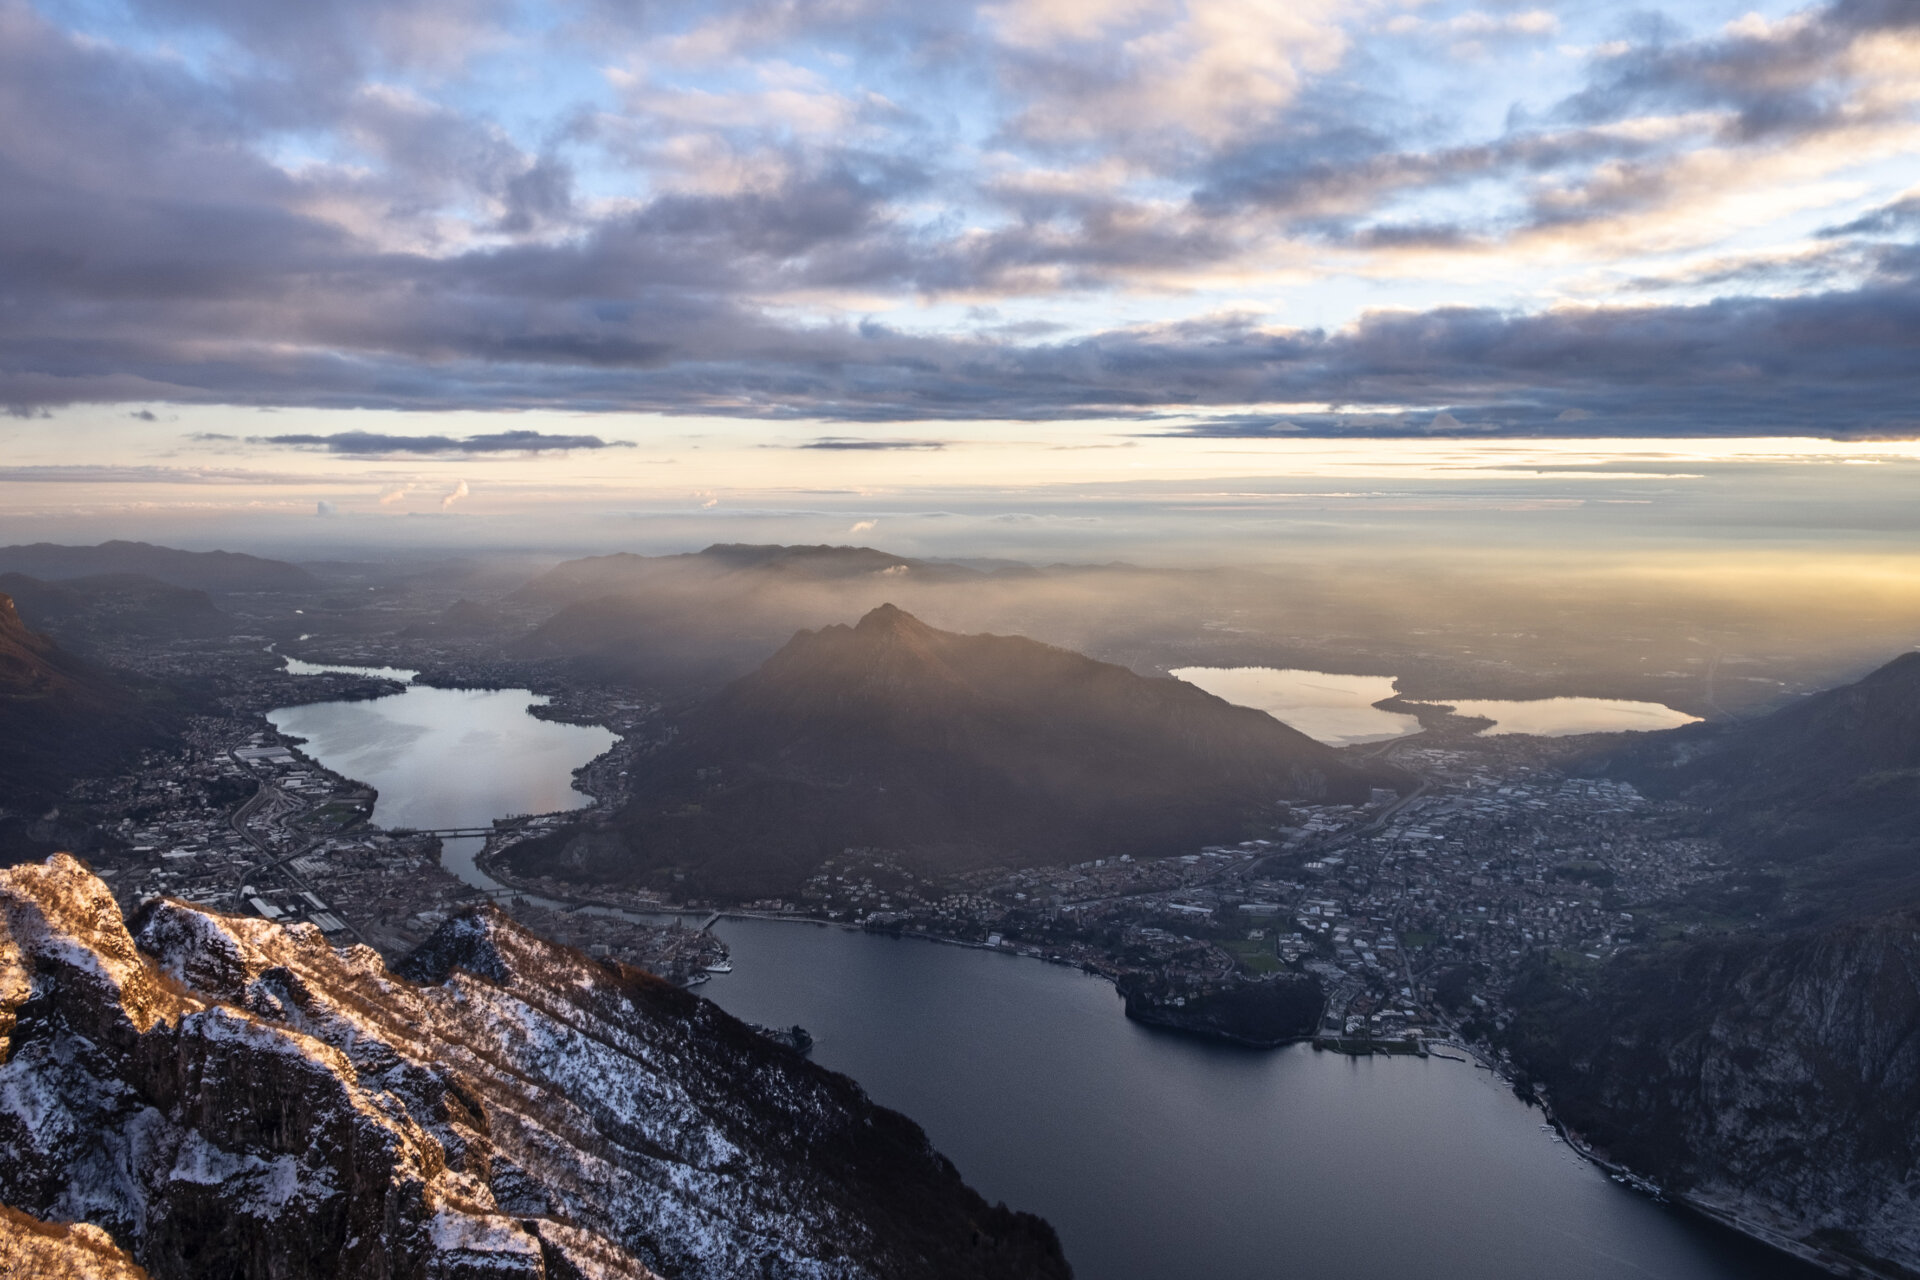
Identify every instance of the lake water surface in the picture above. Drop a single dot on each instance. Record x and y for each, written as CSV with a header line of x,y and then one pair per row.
x,y
1159,1156
1338,709
448,757
1335,709
1156,1156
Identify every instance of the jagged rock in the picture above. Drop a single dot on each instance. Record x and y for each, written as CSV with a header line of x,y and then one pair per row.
x,y
227,1097
61,1250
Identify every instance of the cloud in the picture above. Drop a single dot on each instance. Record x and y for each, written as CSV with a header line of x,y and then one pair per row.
x,y
360,443
851,443
323,508
863,526
393,493
329,212
459,491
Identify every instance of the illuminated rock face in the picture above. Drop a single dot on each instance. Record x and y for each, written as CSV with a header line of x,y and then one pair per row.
x,y
227,1097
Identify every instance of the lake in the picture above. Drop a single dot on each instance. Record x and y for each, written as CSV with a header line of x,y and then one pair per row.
x,y
1154,1154
1158,1155
1335,709
447,757
1338,709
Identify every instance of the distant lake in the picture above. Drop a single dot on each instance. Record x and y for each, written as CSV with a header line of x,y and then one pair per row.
x,y
448,757
1562,717
1159,1156
1337,709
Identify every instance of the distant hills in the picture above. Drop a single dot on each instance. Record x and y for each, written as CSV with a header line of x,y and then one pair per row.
x,y
215,571
712,615
959,750
114,605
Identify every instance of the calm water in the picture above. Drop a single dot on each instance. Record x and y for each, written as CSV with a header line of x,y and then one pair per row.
x,y
1560,717
450,758
1338,710
1157,1157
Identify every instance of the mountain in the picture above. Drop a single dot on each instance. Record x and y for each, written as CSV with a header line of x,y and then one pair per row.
x,y
622,572
1822,798
216,571
711,616
1772,1081
226,1097
961,751
115,606
1767,1067
60,717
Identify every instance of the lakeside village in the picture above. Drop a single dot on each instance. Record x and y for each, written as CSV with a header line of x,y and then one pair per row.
x,y
1389,927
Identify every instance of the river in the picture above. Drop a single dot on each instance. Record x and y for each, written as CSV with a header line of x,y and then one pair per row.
x,y
1155,1155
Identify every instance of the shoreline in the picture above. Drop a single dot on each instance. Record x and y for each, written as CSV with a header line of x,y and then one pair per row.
x,y
1622,1175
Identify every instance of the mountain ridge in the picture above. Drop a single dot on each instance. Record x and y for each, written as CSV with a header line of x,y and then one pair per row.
x,y
960,750
1768,1070
223,1095
216,571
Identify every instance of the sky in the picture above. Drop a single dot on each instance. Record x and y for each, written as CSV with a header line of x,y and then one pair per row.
x,y
365,259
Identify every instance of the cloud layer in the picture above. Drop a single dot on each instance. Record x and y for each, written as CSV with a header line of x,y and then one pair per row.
x,y
1690,222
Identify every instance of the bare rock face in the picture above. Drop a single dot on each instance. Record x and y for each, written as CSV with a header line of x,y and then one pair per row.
x,y
61,1250
227,1097
1773,1083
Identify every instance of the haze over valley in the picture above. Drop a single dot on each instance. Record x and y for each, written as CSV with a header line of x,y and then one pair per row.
x,y
898,641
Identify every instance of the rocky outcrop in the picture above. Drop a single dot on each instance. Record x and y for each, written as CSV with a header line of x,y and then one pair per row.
x,y
1773,1083
226,1097
61,1250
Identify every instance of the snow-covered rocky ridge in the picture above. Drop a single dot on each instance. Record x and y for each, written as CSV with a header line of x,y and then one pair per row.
x,y
226,1097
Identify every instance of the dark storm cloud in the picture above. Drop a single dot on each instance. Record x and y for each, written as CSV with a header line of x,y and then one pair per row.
x,y
370,442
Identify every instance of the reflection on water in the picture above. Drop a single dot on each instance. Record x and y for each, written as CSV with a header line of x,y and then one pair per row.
x,y
1561,717
450,758
1157,1156
1336,709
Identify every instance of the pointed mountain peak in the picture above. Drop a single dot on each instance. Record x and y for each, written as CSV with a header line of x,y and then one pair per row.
x,y
889,619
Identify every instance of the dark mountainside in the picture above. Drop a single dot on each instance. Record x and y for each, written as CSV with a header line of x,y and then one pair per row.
x,y
1820,798
227,1097
60,717
215,571
1770,1074
961,751
114,606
